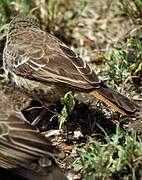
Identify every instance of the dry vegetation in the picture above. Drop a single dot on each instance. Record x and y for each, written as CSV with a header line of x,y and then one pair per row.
x,y
98,143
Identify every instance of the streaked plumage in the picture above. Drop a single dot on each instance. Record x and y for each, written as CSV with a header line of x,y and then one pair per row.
x,y
46,68
23,149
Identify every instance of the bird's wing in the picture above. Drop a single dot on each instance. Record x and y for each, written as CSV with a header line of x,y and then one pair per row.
x,y
16,133
20,143
41,56
23,150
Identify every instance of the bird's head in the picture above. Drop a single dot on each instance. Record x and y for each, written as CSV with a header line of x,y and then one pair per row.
x,y
23,22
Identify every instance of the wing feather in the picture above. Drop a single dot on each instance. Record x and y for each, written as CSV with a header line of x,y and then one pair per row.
x,y
20,143
21,136
47,59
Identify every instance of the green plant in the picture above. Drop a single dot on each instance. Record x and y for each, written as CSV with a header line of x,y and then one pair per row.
x,y
136,43
117,61
68,103
5,9
99,160
133,9
136,46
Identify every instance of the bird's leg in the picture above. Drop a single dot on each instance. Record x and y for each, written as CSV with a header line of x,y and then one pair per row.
x,y
39,117
41,114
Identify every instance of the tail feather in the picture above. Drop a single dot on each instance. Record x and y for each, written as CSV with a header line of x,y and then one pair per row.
x,y
115,100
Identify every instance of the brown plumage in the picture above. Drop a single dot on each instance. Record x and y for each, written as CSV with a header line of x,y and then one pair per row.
x,y
23,150
46,68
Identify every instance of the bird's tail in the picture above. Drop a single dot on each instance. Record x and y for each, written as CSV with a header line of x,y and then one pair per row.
x,y
115,100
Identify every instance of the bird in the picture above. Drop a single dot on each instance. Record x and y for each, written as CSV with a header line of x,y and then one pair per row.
x,y
46,68
23,150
